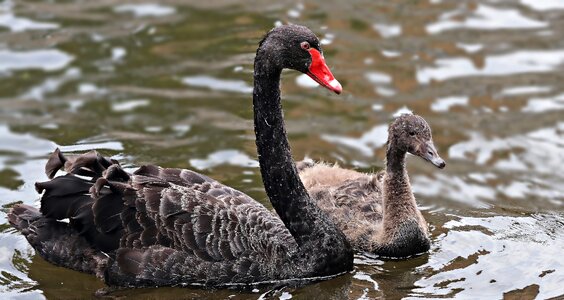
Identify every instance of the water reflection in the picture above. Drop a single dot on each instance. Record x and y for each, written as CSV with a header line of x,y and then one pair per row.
x,y
18,24
484,17
365,144
498,65
470,48
47,60
544,5
51,84
523,90
305,81
169,82
218,84
129,105
476,251
145,9
539,105
444,104
224,157
388,30
535,147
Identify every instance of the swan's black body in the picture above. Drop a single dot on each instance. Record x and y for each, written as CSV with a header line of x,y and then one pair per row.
x,y
161,226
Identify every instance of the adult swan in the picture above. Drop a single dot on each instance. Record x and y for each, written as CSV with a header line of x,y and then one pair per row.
x,y
161,226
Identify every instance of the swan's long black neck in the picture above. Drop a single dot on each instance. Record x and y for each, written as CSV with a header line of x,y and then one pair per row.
x,y
279,174
306,222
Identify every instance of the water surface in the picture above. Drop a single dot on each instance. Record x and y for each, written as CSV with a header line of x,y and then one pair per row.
x,y
170,82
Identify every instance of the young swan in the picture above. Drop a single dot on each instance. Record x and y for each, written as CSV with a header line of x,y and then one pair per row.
x,y
378,212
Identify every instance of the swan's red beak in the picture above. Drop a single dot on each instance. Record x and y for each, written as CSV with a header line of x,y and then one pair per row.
x,y
319,71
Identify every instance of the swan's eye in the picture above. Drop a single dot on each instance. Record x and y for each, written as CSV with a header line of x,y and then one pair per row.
x,y
305,45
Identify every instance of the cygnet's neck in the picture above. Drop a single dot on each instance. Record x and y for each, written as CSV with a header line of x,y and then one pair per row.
x,y
399,202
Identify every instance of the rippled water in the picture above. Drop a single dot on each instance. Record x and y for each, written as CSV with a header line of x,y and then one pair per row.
x,y
170,83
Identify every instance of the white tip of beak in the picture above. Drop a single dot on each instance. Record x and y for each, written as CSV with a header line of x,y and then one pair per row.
x,y
336,86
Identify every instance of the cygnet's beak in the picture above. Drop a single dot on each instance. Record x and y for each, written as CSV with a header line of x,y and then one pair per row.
x,y
429,153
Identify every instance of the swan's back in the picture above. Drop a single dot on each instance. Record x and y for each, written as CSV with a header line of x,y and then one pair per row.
x,y
160,226
353,200
323,174
213,216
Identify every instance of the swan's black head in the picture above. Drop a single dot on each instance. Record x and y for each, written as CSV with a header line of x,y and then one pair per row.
x,y
412,134
296,47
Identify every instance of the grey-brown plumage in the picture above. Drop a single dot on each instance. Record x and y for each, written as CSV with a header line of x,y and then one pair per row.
x,y
162,226
378,212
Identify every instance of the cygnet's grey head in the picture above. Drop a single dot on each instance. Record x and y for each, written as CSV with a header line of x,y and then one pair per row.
x,y
411,133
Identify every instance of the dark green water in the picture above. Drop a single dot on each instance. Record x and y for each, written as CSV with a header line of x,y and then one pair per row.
x,y
170,83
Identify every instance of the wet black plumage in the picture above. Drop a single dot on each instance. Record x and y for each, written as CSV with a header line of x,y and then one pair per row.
x,y
163,226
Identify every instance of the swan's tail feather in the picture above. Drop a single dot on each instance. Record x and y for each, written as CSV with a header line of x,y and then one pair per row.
x,y
21,216
55,241
93,204
55,162
64,196
91,164
69,196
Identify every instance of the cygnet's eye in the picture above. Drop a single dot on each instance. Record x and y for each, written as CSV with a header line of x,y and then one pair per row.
x,y
305,45
412,133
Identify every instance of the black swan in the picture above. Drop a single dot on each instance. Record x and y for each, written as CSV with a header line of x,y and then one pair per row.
x,y
160,226
378,212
